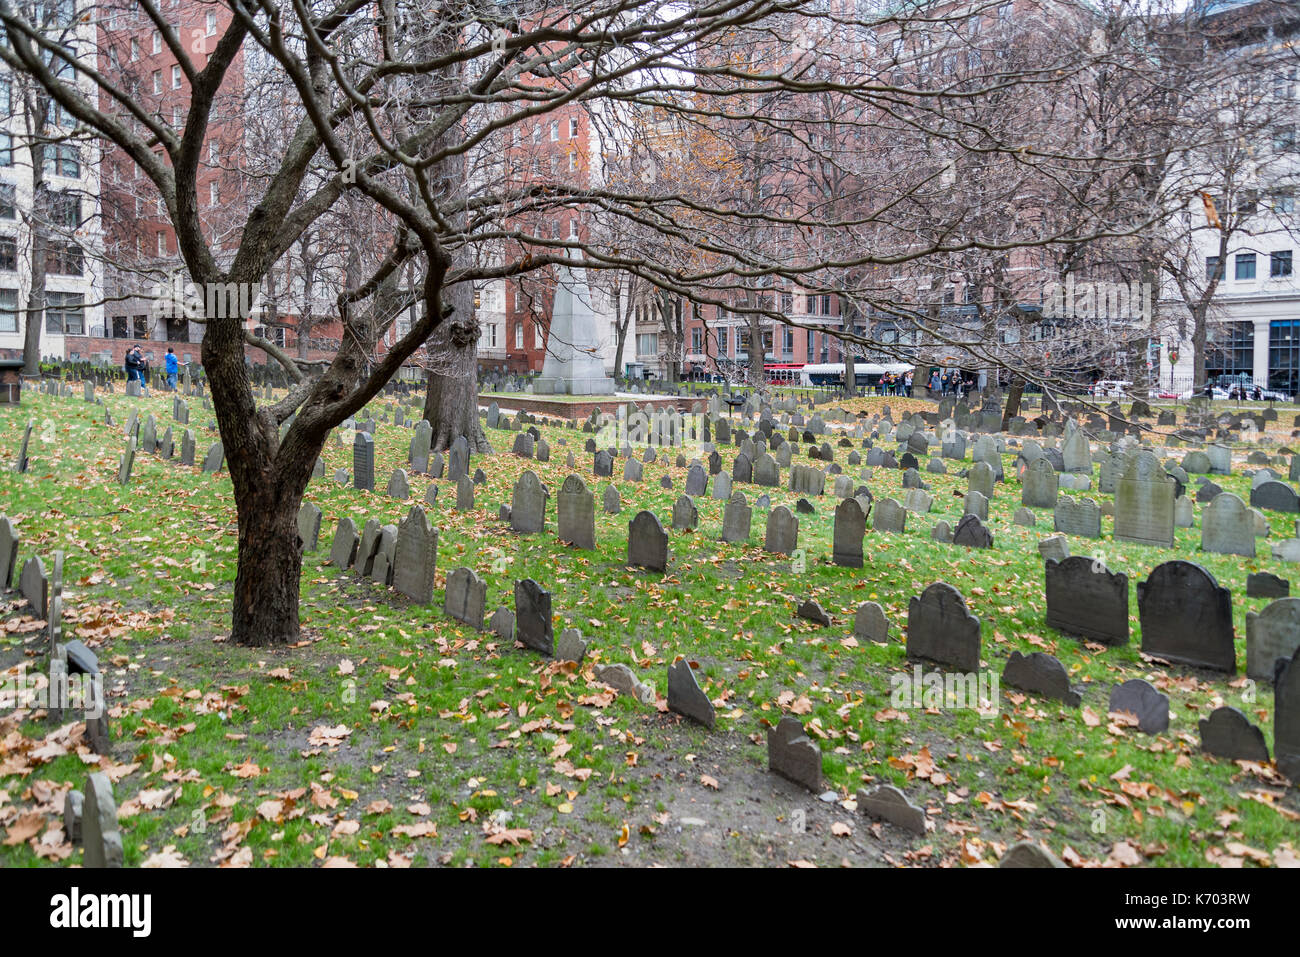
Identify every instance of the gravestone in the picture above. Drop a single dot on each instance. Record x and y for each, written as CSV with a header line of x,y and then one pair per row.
x,y
1266,585
942,630
850,528
363,461
421,443
1227,733
466,598
533,617
791,754
309,526
188,443
21,464
571,646
99,833
870,623
1186,617
610,501
887,516
976,504
458,459
1140,698
343,550
886,803
981,479
1286,717
416,557
1087,600
1271,634
1227,527
528,504
399,487
685,696
685,515
1274,496
1041,674
464,493
8,552
1077,516
697,481
1040,485
647,542
1025,854
127,462
736,519
782,533
1144,502
34,585
972,533
576,513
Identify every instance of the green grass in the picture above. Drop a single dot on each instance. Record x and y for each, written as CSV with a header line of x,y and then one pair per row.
x,y
443,716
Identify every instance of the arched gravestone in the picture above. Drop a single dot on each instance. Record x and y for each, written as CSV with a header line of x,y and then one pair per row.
x,y
533,617
1271,634
1286,716
416,557
528,504
850,527
972,533
1088,600
1040,486
742,469
647,542
736,518
576,513
782,534
942,630
1227,733
1144,502
466,597
1227,527
1186,617
685,515
1275,497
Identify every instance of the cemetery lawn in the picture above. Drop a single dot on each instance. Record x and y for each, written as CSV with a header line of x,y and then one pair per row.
x,y
394,736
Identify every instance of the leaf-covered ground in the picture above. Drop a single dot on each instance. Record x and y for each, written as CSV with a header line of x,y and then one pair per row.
x,y
394,736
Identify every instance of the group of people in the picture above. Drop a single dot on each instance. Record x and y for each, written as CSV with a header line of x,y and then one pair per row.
x,y
137,368
892,384
950,383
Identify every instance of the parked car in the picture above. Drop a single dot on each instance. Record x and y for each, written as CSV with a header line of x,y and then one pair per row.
x,y
1222,394
1112,388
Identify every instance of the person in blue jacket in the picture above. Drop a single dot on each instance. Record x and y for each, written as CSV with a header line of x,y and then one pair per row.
x,y
173,366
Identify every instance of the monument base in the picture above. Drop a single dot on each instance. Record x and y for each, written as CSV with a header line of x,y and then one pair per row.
x,y
602,386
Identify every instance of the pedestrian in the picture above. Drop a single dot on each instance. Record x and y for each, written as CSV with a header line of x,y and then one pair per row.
x,y
128,363
907,383
142,371
172,367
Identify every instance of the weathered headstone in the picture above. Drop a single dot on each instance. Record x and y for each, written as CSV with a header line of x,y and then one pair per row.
x,y
416,557
791,754
533,617
685,696
850,528
1271,634
1186,617
1227,733
309,517
1086,599
942,630
99,833
466,598
1041,674
1141,699
647,542
343,550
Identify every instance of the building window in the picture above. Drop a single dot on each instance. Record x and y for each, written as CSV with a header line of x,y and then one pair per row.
x,y
214,153
1283,202
65,313
8,310
140,327
211,24
157,82
555,132
157,42
6,149
9,253
178,330
176,77
121,328
6,96
1279,263
573,162
1230,349
63,159
1213,268
488,336
8,201
214,193
789,341
162,243
723,345
519,335
1245,266
573,127
1284,139
647,344
1284,85
135,49
64,259
1284,355
697,341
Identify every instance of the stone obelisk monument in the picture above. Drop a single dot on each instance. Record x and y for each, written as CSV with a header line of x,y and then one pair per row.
x,y
573,365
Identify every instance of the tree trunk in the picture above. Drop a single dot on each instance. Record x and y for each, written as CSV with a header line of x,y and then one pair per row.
x,y
39,250
451,401
754,375
850,372
270,561
1198,348
1014,395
